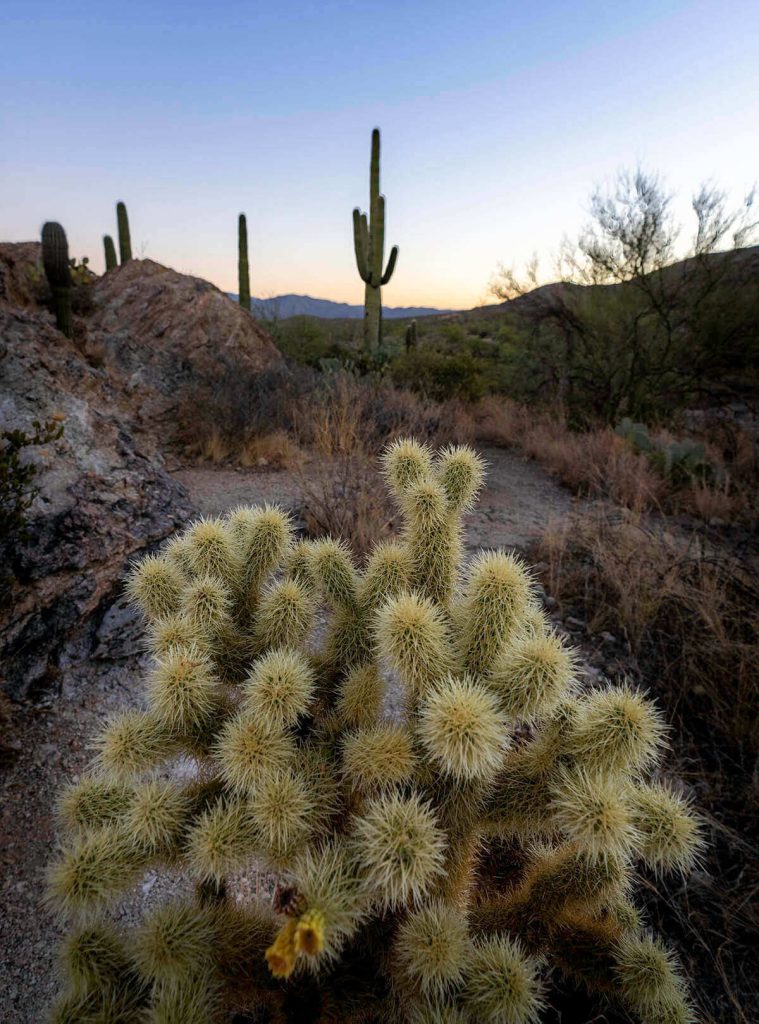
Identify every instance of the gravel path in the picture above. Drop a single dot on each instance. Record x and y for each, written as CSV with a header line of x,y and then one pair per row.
x,y
519,501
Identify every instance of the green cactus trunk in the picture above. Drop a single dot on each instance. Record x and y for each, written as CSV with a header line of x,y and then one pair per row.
x,y
411,335
125,241
110,253
243,270
55,258
369,245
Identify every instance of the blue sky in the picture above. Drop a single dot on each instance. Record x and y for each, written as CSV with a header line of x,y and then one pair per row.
x,y
497,120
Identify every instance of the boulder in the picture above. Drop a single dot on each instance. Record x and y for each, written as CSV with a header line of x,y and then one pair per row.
x,y
163,333
103,498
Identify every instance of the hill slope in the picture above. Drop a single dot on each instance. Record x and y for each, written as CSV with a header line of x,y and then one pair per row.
x,y
283,306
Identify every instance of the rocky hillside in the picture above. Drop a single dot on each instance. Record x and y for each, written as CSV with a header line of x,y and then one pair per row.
x,y
104,490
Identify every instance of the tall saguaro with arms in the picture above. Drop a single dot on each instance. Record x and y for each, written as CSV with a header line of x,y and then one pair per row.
x,y
369,242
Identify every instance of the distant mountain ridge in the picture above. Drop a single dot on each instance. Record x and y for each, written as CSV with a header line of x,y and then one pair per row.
x,y
283,306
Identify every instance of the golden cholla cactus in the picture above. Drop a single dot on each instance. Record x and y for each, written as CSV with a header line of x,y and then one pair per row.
x,y
448,814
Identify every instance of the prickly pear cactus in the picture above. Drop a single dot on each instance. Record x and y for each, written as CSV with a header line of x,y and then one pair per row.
x,y
409,813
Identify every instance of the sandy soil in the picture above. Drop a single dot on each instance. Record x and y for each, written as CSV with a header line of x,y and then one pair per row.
x,y
520,500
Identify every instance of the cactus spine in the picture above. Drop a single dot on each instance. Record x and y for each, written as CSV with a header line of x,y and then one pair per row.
x,y
110,253
369,245
125,241
243,271
434,852
55,259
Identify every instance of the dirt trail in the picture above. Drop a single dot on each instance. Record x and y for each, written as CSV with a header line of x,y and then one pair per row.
x,y
519,500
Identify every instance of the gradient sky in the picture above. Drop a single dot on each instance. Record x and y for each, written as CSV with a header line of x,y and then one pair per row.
x,y
497,120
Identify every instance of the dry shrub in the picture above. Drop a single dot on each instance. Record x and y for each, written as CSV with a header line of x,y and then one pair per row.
x,y
501,421
343,495
714,501
211,446
271,451
346,422
596,463
687,615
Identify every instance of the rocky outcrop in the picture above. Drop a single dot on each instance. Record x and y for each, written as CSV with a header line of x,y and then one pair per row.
x,y
144,336
21,274
164,332
102,498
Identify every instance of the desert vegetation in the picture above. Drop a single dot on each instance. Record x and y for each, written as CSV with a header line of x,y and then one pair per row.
x,y
441,807
396,745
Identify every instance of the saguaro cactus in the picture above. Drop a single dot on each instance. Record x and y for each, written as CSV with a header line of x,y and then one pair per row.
x,y
243,271
446,809
55,259
125,241
369,244
110,253
411,335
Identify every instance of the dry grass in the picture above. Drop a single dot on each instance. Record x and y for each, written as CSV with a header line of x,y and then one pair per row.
x,y
719,501
687,614
271,451
596,463
599,463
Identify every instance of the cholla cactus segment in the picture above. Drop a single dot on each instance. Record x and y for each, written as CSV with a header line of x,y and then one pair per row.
x,y
155,585
285,615
595,812
157,815
412,634
284,813
670,834
432,948
463,730
132,742
361,695
649,977
210,546
175,944
334,572
249,750
419,779
461,472
280,687
496,597
96,867
532,675
406,462
617,730
94,958
502,983
222,839
388,574
401,848
93,802
183,692
379,758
